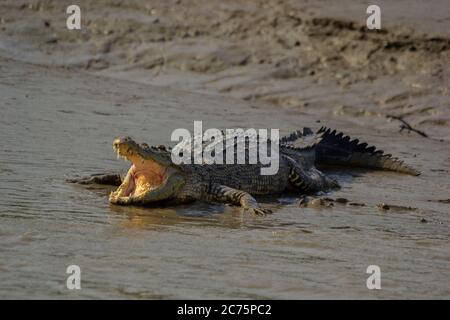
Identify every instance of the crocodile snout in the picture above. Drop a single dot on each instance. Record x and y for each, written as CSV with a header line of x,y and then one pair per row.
x,y
120,141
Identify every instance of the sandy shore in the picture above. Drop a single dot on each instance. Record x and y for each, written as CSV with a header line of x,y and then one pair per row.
x,y
316,59
58,123
143,70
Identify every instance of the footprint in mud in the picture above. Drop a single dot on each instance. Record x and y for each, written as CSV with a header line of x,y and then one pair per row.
x,y
101,113
385,207
311,202
440,201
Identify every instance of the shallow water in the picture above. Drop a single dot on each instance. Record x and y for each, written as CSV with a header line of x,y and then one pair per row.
x,y
59,123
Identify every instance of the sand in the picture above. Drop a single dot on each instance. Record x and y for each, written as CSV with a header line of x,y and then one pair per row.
x,y
315,59
145,69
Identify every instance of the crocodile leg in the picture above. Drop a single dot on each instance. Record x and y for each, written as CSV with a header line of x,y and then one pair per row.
x,y
309,180
224,194
113,179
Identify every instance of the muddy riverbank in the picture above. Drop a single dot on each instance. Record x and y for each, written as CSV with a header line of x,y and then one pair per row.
x,y
144,71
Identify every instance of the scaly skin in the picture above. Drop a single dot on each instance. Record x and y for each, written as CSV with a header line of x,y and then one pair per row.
x,y
154,178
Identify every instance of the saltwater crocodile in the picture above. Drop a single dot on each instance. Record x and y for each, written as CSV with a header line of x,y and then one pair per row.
x,y
153,177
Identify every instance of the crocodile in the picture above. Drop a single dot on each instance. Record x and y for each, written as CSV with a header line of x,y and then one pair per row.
x,y
154,178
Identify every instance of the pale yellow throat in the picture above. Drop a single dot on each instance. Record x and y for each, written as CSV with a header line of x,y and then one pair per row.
x,y
147,175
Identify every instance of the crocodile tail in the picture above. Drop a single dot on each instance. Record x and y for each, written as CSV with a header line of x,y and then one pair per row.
x,y
334,148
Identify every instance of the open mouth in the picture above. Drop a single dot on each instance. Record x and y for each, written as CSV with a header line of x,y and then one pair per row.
x,y
144,174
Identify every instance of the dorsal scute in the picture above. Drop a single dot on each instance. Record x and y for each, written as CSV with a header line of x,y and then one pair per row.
x,y
209,141
304,140
331,138
337,149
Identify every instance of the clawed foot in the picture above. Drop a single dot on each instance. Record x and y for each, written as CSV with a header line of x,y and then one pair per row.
x,y
115,199
257,211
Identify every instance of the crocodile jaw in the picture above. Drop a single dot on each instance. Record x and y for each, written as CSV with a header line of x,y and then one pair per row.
x,y
143,175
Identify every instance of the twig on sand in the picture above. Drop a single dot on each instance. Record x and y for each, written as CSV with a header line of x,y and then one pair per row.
x,y
407,126
163,64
